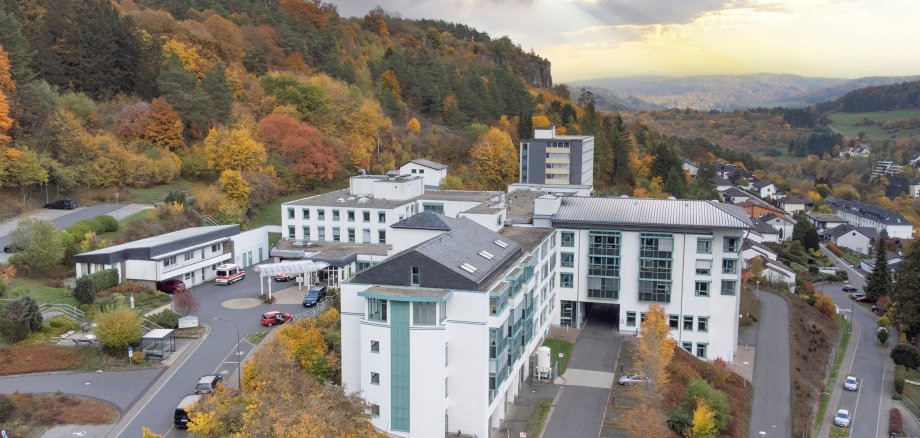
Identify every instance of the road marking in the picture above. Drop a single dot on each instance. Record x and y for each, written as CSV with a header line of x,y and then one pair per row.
x,y
853,416
878,423
856,348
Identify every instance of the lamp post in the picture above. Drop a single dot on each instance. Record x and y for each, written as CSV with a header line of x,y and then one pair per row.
x,y
116,205
239,358
757,289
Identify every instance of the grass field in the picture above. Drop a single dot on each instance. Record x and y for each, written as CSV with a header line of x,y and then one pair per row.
x,y
41,292
846,123
152,195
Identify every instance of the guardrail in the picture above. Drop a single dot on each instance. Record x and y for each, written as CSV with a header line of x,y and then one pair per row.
x,y
909,405
63,309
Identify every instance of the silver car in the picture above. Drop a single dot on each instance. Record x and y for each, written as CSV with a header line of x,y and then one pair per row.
x,y
842,419
633,379
851,384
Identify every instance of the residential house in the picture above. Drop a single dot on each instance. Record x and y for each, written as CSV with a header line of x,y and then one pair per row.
x,y
690,168
791,204
861,240
899,185
894,261
764,188
191,255
752,248
733,195
783,224
731,172
858,151
824,222
721,184
763,232
432,173
863,214
757,208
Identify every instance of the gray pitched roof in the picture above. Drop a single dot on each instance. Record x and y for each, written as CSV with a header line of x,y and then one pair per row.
x,y
734,192
580,212
748,243
425,220
866,210
763,227
824,217
762,183
460,245
790,200
429,164
839,231
151,247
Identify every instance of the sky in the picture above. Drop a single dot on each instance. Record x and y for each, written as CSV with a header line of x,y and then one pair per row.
x,y
589,39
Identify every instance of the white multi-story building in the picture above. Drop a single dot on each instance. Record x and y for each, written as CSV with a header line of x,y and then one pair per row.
x,y
681,254
436,337
363,212
432,173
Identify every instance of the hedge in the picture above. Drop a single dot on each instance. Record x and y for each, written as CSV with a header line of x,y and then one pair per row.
x,y
97,225
104,279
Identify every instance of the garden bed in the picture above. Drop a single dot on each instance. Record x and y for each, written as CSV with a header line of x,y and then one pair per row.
x,y
29,415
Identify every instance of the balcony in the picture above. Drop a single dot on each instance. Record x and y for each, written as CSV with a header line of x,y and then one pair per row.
x,y
514,279
498,298
528,265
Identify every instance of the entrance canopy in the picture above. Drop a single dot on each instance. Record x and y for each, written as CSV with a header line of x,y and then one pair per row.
x,y
292,268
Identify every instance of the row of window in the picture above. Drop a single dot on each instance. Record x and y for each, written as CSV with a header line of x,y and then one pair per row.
x,y
701,348
674,321
603,285
190,255
337,234
423,313
350,215
703,244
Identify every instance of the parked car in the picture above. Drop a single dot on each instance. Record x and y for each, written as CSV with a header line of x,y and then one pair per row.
x,y
9,249
207,384
859,296
180,418
314,296
275,317
849,288
851,384
842,419
171,286
282,276
633,379
62,204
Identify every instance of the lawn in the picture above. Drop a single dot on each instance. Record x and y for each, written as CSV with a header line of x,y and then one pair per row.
x,y
846,123
557,346
538,417
838,359
911,392
255,338
155,194
270,214
40,291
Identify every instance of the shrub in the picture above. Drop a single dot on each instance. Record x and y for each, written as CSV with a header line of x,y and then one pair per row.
x,y
166,319
809,299
138,357
96,225
899,385
84,292
895,423
184,303
825,305
19,318
129,288
680,417
62,324
7,408
884,321
906,355
104,279
882,335
118,328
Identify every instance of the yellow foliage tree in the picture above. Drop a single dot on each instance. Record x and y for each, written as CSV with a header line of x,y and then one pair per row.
x,y
413,126
540,121
165,126
704,421
495,160
147,433
237,190
233,148
191,59
654,352
645,420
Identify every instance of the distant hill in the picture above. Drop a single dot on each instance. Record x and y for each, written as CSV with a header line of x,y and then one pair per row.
x,y
901,96
606,100
728,92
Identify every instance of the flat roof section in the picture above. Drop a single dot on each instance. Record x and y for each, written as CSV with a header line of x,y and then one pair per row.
x,y
527,237
343,199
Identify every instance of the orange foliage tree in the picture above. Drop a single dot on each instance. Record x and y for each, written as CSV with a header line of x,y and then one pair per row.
x,y
300,144
7,87
164,126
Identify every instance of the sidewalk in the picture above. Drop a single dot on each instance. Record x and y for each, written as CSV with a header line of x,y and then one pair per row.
x,y
529,397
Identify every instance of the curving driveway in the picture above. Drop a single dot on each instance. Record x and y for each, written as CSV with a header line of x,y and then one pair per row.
x,y
121,388
771,411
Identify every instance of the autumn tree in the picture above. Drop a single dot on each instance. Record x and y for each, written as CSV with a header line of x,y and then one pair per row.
x,y
413,126
825,305
40,244
704,425
131,122
495,160
7,87
312,160
116,329
164,127
233,148
237,190
654,352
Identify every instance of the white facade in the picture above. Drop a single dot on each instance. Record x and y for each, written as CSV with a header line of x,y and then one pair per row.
x,y
783,225
856,241
250,247
453,384
904,230
432,173
767,192
714,309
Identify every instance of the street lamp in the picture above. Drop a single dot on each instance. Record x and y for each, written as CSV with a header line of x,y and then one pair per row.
x,y
757,289
239,356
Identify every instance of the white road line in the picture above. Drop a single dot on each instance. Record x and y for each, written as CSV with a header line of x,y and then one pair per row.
x,y
878,423
856,348
231,353
853,415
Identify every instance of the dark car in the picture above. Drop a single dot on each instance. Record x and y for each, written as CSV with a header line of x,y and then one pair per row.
x,y
180,418
171,286
11,249
314,296
62,204
849,288
207,384
275,317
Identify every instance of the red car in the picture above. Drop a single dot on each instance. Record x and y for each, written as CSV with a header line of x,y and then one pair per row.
x,y
275,317
849,288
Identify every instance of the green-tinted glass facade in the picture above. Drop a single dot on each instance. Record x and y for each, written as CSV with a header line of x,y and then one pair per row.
x,y
655,267
399,365
604,264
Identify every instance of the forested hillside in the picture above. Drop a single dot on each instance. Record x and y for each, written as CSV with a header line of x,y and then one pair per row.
x,y
245,99
905,95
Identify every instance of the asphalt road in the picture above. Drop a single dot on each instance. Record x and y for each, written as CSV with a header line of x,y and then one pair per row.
x,y
772,406
68,219
867,364
121,388
216,354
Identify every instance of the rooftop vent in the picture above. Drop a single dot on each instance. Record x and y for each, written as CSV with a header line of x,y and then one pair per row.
x,y
468,268
362,200
297,243
340,200
351,198
391,175
487,255
500,243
